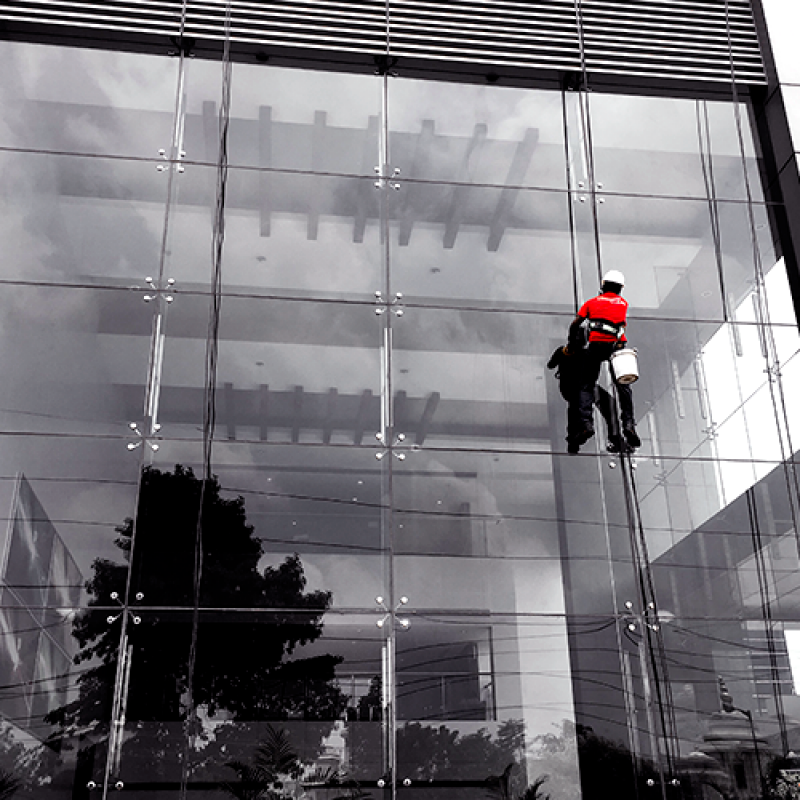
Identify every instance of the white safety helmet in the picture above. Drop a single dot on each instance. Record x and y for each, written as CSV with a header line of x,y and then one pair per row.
x,y
614,276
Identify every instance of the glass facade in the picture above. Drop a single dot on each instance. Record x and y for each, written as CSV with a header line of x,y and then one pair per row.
x,y
289,507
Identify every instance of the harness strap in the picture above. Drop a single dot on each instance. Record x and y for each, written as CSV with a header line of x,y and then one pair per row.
x,y
605,326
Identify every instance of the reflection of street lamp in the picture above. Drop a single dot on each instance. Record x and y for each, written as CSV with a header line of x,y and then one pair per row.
x,y
726,699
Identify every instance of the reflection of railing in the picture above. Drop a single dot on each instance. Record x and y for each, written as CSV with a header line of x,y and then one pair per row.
x,y
425,694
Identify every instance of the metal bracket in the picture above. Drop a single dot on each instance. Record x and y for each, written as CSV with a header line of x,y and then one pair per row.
x,y
403,623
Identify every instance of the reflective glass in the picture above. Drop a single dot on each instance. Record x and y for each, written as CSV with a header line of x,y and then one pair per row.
x,y
480,246
484,702
296,694
672,146
308,515
298,120
474,378
666,250
287,371
286,234
509,533
476,134
70,100
75,360
80,220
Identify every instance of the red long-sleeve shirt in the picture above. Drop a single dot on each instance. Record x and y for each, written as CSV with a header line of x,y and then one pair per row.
x,y
609,307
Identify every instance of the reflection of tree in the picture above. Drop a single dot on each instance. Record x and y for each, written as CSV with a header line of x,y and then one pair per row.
x,y
276,772
243,666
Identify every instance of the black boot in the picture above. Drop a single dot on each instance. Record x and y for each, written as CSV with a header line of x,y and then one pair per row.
x,y
631,437
574,441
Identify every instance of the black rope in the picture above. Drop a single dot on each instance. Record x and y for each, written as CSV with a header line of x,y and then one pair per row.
x,y
762,572
210,389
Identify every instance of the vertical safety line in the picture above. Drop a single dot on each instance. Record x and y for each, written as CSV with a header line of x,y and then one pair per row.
x,y
210,388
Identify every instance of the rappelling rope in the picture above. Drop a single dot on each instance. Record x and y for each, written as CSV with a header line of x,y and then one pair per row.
x,y
653,638
210,390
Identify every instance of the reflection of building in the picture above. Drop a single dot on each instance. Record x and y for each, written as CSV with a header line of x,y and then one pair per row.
x,y
41,587
521,149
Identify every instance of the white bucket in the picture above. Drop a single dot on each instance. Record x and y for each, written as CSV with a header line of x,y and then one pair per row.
x,y
624,365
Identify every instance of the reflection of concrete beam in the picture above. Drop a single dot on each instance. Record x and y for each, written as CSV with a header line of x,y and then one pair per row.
x,y
418,166
327,426
230,410
458,198
265,160
297,412
317,163
399,410
277,412
362,418
515,176
427,416
366,189
263,411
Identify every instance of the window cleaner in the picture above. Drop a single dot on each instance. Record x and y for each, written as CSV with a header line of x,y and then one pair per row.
x,y
602,321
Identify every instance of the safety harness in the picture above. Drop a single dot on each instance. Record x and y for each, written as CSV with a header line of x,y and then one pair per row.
x,y
605,326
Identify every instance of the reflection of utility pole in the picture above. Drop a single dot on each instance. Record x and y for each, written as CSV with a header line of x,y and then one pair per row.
x,y
726,700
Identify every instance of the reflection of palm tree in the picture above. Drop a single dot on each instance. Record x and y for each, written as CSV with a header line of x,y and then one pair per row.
x,y
243,665
264,779
274,764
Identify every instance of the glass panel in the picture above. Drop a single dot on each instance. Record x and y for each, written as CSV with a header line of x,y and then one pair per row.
x,y
484,246
297,120
475,378
485,703
309,514
666,251
55,714
285,234
288,371
66,99
671,146
81,220
505,533
304,705
476,134
74,360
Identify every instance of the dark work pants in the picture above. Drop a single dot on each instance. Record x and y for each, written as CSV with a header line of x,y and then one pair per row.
x,y
591,360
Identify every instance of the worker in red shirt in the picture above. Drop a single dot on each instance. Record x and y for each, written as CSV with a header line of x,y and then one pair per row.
x,y
602,320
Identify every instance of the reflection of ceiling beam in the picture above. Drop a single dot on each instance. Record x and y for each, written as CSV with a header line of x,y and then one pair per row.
x,y
516,174
427,416
210,146
460,192
317,164
362,418
265,160
230,410
326,412
419,161
297,413
399,408
365,189
327,427
263,411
